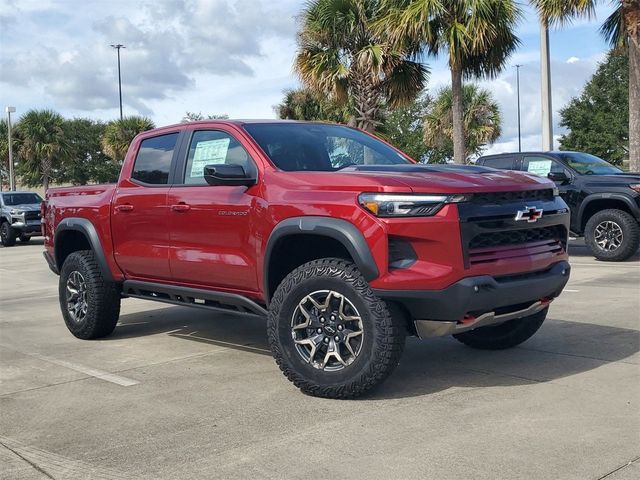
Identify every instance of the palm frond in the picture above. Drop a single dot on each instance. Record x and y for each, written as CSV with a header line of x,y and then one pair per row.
x,y
613,30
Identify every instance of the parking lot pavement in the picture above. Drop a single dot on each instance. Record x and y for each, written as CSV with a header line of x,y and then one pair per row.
x,y
184,394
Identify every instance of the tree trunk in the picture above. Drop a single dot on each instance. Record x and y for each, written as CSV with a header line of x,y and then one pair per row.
x,y
631,15
46,172
457,115
367,102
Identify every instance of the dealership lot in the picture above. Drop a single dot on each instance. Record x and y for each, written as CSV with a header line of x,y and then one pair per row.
x,y
181,393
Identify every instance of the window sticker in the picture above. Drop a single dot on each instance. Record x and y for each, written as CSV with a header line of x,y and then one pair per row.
x,y
539,167
209,152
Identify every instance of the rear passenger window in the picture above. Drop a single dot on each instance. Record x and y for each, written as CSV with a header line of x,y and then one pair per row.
x,y
503,163
214,147
153,161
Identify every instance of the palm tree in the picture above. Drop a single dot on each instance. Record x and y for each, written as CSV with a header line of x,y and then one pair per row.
x,y
622,31
477,36
119,133
42,145
342,57
305,104
482,121
4,153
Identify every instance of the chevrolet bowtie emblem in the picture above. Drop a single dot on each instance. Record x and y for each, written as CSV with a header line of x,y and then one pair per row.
x,y
530,214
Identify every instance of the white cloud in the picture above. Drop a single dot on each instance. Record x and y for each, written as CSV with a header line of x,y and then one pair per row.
x,y
573,60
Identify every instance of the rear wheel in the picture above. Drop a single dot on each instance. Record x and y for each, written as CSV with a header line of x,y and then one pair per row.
x,y
330,335
25,238
90,305
7,234
612,235
506,335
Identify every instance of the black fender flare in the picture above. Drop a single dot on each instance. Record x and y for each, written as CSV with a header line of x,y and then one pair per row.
x,y
627,200
341,230
87,228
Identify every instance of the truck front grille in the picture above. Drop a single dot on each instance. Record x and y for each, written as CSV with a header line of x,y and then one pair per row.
x,y
515,237
32,215
498,198
510,244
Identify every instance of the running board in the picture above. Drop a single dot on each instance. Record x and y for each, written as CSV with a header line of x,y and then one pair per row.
x,y
191,297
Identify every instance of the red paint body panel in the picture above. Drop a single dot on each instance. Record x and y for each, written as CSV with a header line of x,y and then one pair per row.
x,y
218,241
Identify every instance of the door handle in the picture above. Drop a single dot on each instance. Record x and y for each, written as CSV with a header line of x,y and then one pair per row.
x,y
180,207
126,207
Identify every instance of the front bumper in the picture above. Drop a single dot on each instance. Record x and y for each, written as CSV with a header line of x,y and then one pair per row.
x,y
27,227
479,295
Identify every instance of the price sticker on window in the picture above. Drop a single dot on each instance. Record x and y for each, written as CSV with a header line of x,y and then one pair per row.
x,y
209,152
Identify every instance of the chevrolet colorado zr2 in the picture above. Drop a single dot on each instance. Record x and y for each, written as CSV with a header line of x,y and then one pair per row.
x,y
344,243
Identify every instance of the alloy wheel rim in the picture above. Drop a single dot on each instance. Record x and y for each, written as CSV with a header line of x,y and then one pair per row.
x,y
327,330
77,305
608,235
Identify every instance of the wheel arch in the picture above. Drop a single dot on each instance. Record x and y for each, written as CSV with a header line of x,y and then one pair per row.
x,y
603,201
340,237
74,234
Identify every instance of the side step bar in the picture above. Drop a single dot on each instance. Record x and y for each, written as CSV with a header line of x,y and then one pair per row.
x,y
436,328
191,297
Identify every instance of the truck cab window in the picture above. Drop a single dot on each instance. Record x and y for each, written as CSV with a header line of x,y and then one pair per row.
x,y
214,147
153,161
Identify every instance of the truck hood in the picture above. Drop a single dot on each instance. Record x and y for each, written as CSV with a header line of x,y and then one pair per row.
x,y
451,179
616,180
25,207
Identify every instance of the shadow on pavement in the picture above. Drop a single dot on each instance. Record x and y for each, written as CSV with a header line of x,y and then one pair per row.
x,y
35,241
578,249
560,349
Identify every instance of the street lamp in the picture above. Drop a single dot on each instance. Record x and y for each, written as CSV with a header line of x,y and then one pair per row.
x,y
12,178
118,47
518,90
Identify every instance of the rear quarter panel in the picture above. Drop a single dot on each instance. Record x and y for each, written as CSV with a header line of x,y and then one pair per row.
x,y
92,202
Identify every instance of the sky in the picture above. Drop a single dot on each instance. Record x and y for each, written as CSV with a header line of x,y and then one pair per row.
x,y
231,57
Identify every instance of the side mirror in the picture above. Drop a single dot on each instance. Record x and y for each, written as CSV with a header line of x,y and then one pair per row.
x,y
227,174
559,177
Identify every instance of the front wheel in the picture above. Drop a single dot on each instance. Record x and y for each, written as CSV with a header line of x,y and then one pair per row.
x,y
329,334
90,304
612,235
506,335
7,234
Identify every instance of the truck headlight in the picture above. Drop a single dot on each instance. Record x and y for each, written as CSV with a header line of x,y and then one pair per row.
x,y
16,212
406,205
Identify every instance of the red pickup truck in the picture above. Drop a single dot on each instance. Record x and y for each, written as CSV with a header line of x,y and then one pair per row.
x,y
344,243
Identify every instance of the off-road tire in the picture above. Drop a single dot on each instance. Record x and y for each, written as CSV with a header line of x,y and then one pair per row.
x,y
630,235
506,335
102,297
7,234
383,340
25,238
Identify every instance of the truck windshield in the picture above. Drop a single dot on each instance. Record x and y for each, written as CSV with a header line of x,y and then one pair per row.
x,y
587,164
21,198
320,148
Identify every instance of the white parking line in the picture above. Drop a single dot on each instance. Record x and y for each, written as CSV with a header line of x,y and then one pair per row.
x,y
570,291
634,265
93,372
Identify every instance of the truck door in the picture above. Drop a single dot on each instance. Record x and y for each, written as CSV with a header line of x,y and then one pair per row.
x,y
211,227
139,217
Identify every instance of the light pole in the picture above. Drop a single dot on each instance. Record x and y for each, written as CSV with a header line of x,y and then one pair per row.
x,y
518,90
12,178
545,74
118,47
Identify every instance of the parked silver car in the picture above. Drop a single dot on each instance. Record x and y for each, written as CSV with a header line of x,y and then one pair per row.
x,y
19,217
